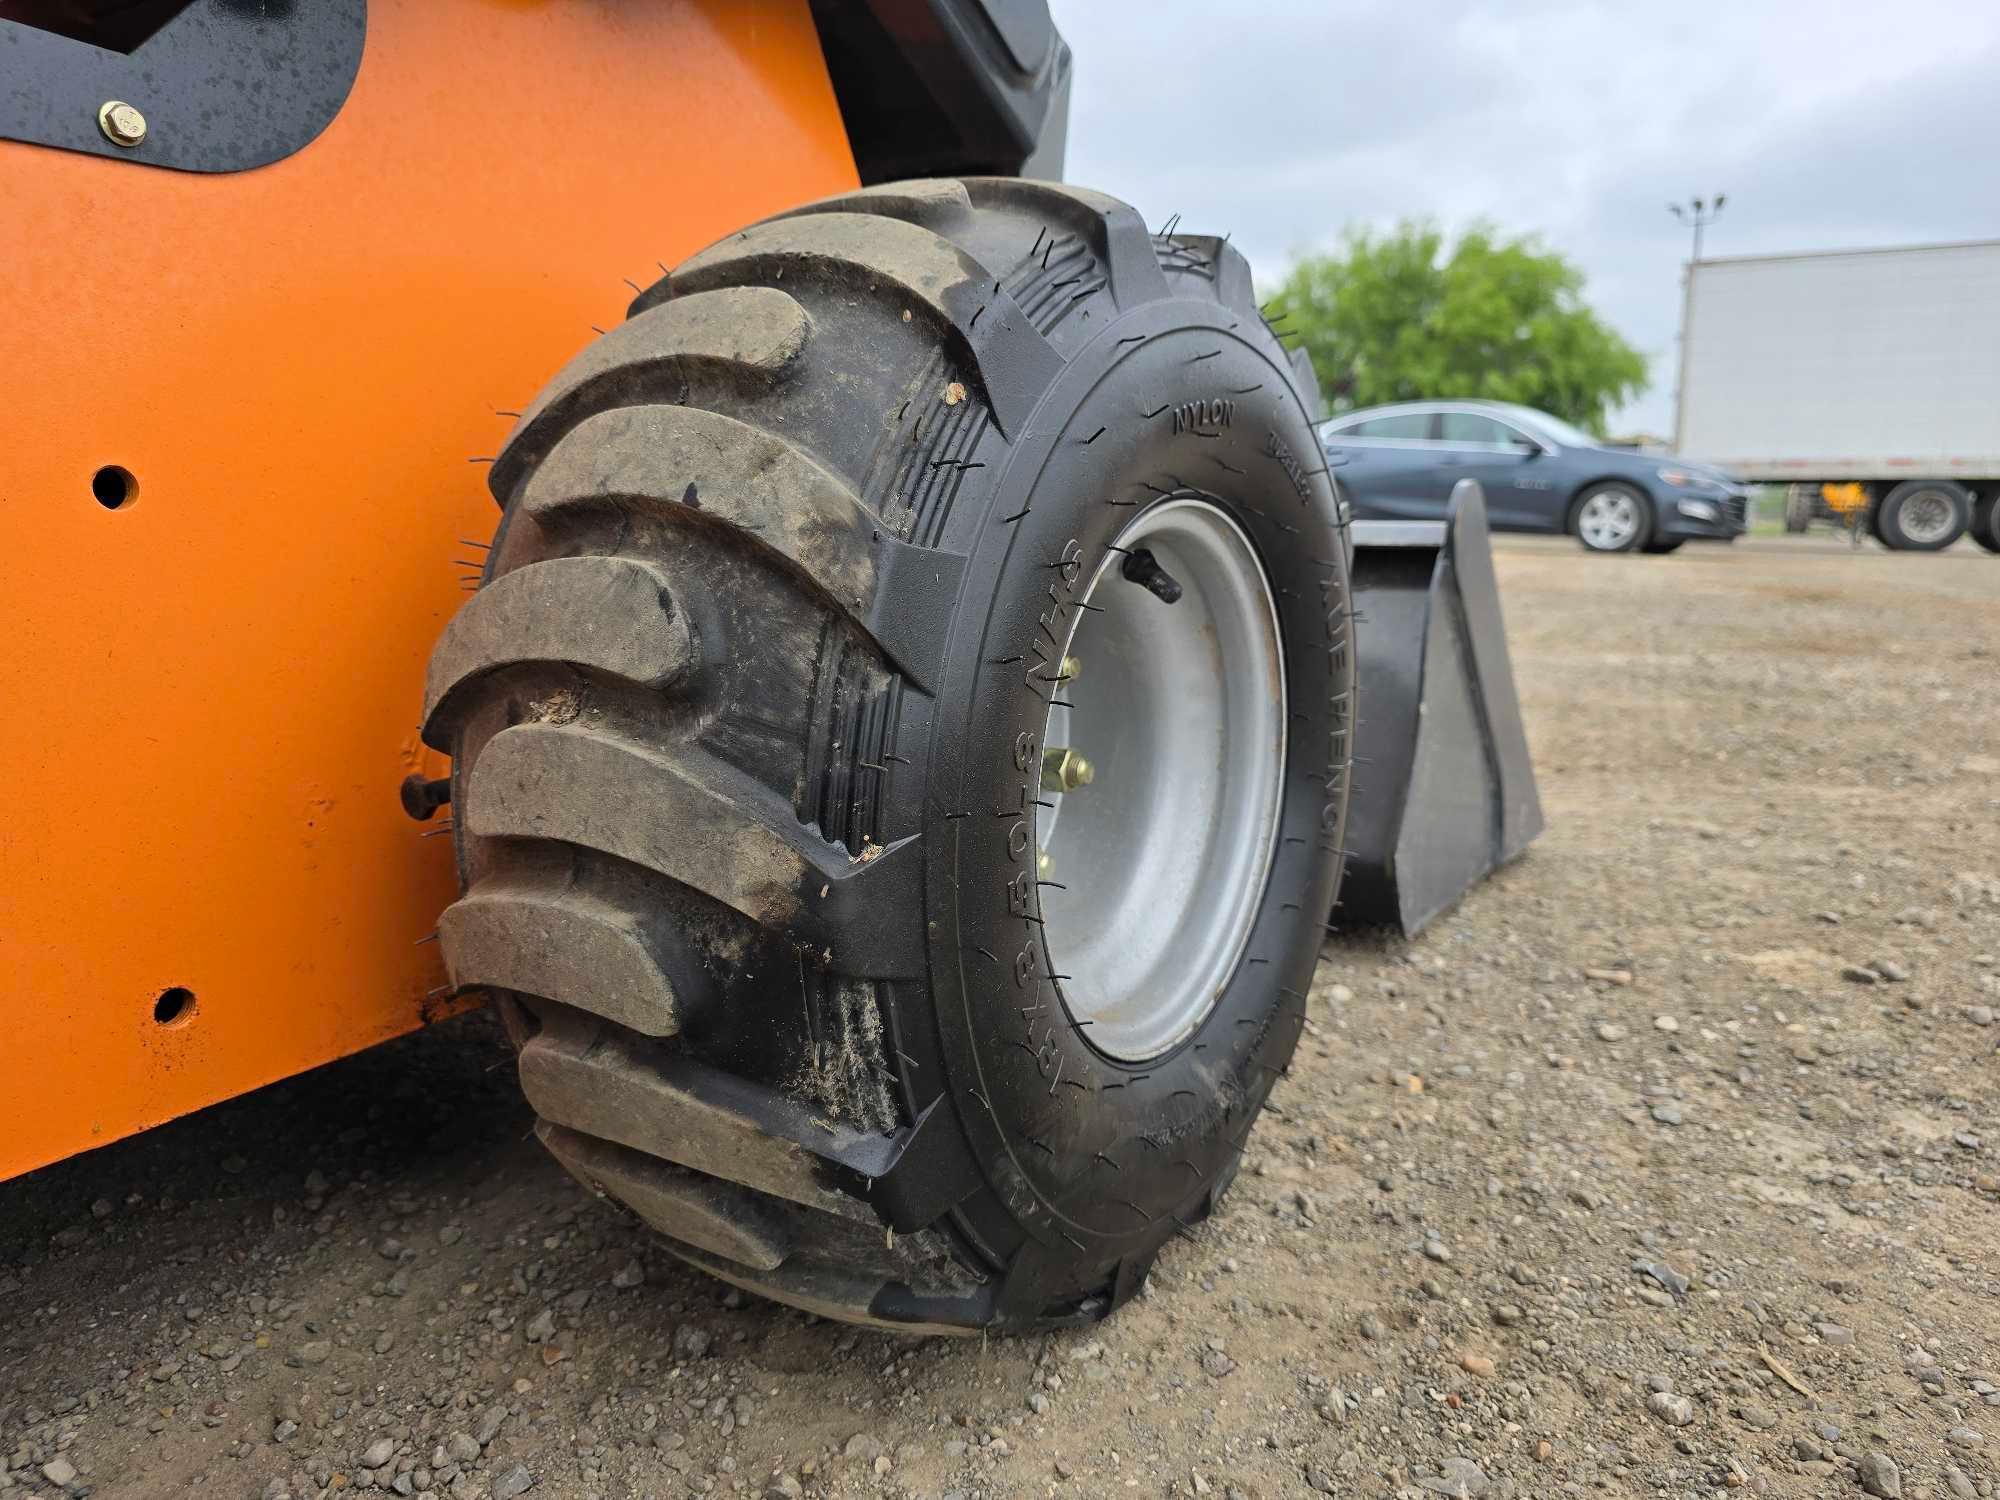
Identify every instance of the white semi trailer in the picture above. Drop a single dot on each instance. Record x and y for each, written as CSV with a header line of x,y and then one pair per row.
x,y
1868,381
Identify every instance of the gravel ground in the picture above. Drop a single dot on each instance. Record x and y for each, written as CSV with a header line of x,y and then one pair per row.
x,y
1666,1163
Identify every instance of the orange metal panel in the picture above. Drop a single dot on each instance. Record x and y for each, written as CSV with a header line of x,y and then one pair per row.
x,y
213,690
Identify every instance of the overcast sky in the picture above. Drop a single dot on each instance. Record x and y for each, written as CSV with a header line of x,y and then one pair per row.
x,y
1828,125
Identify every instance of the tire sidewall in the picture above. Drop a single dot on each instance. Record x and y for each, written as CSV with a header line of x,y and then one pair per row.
x,y
1095,1158
1985,526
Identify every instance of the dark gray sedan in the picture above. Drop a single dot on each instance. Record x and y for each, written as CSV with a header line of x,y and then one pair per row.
x,y
1539,473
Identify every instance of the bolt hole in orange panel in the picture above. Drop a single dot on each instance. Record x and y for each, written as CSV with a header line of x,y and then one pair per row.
x,y
234,469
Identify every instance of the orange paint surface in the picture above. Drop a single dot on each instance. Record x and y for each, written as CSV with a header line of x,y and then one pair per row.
x,y
214,689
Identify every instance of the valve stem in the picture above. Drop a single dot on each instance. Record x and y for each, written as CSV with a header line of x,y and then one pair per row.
x,y
1142,567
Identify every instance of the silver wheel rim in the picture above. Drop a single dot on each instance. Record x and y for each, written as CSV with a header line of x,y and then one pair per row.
x,y
1609,519
1155,869
1925,516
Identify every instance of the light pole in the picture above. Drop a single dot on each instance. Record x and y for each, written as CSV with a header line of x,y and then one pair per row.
x,y
1699,214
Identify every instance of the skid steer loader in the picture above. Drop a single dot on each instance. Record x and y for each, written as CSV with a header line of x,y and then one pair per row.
x,y
889,761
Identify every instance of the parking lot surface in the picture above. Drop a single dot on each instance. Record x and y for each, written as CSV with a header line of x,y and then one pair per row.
x,y
1668,1162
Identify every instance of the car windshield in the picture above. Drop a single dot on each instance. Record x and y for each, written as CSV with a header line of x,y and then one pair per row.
x,y
1554,428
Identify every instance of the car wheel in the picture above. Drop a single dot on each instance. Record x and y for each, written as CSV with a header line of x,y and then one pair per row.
x,y
1612,517
1924,515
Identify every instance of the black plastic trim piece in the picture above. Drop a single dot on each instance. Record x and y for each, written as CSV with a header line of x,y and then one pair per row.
x,y
224,86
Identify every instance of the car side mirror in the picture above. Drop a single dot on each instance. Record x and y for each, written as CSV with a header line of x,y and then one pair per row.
x,y
1529,448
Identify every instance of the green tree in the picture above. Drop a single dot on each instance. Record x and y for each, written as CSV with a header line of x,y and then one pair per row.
x,y
1404,316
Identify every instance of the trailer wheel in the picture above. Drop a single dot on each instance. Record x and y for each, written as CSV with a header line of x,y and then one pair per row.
x,y
1611,516
1800,505
1985,526
1923,515
901,749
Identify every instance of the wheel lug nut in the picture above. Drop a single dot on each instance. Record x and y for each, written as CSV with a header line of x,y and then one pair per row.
x,y
1063,770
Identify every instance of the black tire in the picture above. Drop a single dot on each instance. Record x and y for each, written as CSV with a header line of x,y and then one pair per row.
x,y
1661,547
1985,528
1913,497
1636,541
1801,504
744,721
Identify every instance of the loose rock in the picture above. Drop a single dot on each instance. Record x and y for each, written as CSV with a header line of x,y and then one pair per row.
x,y
1675,1411
1880,1476
1664,1274
1459,1478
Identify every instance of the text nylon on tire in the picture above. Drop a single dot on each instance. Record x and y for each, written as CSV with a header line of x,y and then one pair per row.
x,y
901,749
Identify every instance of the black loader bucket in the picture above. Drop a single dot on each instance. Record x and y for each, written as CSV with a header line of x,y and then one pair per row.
x,y
1443,791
